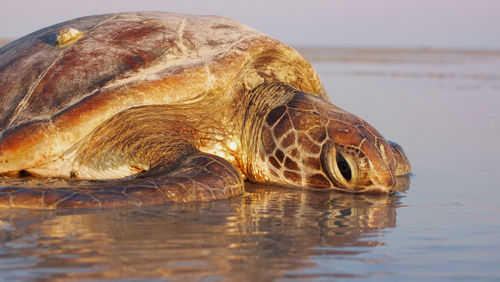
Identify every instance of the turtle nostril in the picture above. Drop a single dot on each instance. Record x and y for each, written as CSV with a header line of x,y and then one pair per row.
x,y
344,167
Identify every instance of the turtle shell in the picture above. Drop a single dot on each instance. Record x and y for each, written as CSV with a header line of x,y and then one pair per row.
x,y
54,93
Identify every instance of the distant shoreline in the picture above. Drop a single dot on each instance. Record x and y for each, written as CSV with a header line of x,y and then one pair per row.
x,y
400,50
366,54
4,41
390,55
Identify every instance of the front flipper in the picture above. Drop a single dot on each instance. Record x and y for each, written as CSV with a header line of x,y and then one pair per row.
x,y
198,177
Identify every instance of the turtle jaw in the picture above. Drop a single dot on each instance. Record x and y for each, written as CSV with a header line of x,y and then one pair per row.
x,y
396,176
382,173
383,182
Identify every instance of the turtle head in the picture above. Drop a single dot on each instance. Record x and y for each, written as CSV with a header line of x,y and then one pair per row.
x,y
309,142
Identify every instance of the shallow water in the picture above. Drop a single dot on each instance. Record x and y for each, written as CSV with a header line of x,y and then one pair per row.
x,y
442,107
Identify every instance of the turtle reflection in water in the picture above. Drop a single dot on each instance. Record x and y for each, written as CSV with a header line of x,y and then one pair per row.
x,y
148,108
287,230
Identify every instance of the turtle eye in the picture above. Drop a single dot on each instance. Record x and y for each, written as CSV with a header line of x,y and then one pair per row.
x,y
343,168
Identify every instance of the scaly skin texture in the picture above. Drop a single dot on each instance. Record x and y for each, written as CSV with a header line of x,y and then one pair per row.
x,y
149,108
300,138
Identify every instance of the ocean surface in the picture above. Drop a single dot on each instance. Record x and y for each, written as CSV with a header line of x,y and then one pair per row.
x,y
441,106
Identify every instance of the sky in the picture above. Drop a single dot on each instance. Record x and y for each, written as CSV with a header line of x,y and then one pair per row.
x,y
460,24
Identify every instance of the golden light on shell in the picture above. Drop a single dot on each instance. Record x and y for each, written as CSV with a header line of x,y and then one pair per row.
x,y
68,36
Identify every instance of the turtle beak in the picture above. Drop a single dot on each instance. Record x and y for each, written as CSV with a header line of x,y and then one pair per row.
x,y
383,182
382,162
395,176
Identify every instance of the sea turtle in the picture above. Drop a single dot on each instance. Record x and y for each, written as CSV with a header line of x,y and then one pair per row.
x,y
147,108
